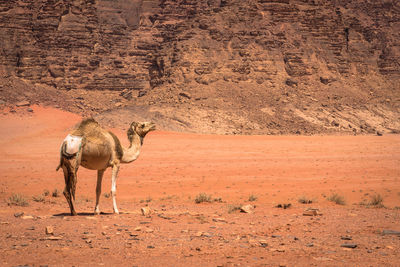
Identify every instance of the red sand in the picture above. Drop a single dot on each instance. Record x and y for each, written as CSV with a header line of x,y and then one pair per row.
x,y
172,170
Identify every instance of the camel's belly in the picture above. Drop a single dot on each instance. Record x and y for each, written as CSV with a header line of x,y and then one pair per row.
x,y
95,156
95,162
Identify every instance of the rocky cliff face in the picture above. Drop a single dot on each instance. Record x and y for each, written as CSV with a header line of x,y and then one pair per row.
x,y
254,66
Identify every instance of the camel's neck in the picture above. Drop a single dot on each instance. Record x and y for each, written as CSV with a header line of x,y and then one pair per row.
x,y
132,153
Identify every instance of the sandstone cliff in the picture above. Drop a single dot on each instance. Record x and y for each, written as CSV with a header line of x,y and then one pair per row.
x,y
220,66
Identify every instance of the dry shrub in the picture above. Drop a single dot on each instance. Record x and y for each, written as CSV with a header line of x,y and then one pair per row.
x,y
336,198
17,200
202,197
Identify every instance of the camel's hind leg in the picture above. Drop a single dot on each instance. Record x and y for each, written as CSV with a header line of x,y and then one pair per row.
x,y
98,190
70,183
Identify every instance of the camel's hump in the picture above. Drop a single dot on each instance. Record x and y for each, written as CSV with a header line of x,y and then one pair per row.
x,y
87,127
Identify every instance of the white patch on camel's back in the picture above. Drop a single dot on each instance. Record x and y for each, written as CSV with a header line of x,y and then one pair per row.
x,y
95,148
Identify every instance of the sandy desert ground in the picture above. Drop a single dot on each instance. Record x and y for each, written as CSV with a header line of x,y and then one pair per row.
x,y
267,172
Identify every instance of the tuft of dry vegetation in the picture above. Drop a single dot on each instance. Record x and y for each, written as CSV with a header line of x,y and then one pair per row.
x,y
253,197
147,200
107,195
305,200
202,197
46,192
336,198
39,198
233,208
55,193
376,201
17,200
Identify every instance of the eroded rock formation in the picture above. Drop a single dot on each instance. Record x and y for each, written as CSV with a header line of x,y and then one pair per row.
x,y
273,63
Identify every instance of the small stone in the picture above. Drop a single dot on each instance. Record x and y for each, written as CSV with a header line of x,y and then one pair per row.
x,y
30,110
348,245
391,232
54,238
23,104
142,93
49,230
346,237
146,211
281,249
219,220
247,208
127,94
149,230
150,246
185,94
138,228
18,214
27,217
206,234
311,212
309,245
263,243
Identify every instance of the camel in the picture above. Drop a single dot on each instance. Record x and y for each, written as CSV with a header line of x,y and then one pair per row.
x,y
94,148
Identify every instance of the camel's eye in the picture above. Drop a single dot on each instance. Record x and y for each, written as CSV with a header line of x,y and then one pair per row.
x,y
142,126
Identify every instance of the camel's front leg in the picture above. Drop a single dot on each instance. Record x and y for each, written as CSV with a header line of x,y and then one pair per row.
x,y
115,170
98,191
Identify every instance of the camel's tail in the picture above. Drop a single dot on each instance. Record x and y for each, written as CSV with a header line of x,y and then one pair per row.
x,y
62,149
71,147
70,158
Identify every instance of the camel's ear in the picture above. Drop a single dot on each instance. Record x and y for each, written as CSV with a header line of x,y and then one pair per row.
x,y
134,124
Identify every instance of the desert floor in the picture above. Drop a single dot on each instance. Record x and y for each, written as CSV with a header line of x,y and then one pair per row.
x,y
266,172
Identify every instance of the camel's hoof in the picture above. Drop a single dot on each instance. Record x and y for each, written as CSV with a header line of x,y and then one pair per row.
x,y
116,212
96,212
74,213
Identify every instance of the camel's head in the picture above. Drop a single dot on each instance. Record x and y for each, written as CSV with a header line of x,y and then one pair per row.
x,y
141,128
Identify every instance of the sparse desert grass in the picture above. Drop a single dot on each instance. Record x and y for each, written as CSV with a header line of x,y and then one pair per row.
x,y
46,192
202,197
305,200
17,200
253,197
107,195
55,193
170,197
376,201
39,198
147,200
233,208
336,198
202,219
218,199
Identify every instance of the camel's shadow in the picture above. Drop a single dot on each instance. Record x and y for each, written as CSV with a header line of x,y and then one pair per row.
x,y
85,214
